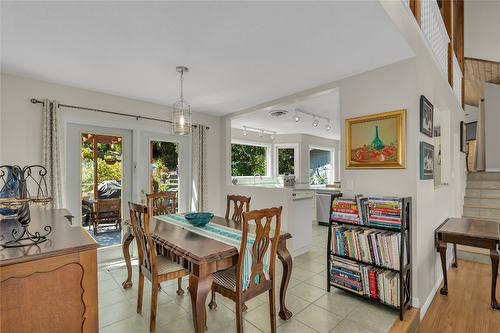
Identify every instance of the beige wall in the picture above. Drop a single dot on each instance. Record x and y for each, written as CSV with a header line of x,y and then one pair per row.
x,y
492,124
21,124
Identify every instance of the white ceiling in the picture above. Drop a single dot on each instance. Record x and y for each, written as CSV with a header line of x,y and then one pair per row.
x,y
240,54
325,105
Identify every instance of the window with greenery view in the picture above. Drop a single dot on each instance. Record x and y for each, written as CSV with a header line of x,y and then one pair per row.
x,y
248,160
286,161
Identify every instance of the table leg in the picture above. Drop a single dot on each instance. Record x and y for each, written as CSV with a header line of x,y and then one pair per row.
x,y
494,277
127,239
286,260
442,253
199,287
454,264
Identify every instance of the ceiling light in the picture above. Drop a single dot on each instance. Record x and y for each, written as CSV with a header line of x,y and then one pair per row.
x,y
181,116
296,117
315,122
328,126
245,131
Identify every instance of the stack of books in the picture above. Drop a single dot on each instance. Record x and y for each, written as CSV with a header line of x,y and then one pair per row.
x,y
346,274
381,285
375,283
373,246
345,210
385,212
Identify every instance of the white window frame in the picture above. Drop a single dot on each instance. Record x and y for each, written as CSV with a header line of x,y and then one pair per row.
x,y
332,151
269,159
296,160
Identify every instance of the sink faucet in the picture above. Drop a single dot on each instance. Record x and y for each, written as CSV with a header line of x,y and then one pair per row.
x,y
256,176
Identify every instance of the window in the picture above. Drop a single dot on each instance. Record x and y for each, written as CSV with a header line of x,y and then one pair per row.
x,y
320,166
286,159
249,159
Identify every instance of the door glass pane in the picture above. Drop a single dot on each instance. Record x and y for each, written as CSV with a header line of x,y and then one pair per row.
x,y
101,187
164,173
286,160
320,167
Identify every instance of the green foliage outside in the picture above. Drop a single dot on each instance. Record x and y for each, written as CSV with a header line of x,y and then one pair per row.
x,y
105,171
286,161
247,160
164,165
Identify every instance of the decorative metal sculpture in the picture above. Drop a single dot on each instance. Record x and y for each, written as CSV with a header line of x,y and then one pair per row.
x,y
18,188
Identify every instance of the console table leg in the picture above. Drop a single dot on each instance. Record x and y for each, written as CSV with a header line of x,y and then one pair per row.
x,y
442,254
127,239
454,264
494,277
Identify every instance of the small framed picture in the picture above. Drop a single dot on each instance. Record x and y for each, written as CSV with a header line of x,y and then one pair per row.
x,y
426,161
463,137
426,116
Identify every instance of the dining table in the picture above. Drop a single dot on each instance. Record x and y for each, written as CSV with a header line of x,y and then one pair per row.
x,y
203,256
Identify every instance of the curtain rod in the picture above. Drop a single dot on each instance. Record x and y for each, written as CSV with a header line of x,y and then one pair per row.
x,y
137,117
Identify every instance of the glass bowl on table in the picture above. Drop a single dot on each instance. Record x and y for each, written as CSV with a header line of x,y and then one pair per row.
x,y
199,219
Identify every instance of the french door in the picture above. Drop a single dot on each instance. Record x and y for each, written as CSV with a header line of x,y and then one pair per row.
x,y
163,166
99,173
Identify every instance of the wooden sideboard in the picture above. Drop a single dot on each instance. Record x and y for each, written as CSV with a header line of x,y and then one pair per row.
x,y
52,286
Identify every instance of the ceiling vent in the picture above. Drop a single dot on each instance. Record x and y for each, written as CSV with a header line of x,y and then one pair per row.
x,y
277,113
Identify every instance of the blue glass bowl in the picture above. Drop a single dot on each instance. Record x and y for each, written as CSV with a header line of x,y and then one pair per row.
x,y
199,219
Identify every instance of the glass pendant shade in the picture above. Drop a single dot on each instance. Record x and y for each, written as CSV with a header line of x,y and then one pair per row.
x,y
181,118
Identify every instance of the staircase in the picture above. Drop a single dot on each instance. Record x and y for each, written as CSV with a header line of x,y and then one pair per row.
x,y
481,201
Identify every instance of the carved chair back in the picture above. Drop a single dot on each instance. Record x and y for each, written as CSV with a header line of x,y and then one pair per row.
x,y
267,224
139,218
162,203
240,204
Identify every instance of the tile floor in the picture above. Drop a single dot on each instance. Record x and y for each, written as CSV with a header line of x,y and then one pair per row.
x,y
313,308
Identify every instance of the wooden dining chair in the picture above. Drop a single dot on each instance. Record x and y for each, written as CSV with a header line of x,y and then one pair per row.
x,y
229,283
240,204
156,269
164,203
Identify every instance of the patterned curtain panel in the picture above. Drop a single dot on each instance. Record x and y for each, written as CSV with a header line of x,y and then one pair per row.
x,y
52,149
199,190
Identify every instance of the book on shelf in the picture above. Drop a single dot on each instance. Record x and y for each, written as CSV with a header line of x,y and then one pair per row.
x,y
346,274
375,283
378,247
383,212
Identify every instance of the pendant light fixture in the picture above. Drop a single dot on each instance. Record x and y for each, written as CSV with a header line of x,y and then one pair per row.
x,y
181,122
328,126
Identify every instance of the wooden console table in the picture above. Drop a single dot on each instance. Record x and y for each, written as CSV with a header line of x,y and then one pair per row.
x,y
477,233
51,286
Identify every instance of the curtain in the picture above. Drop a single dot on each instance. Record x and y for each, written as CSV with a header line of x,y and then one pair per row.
x,y
199,190
52,150
480,139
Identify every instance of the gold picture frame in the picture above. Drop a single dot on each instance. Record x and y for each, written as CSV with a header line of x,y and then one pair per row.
x,y
367,147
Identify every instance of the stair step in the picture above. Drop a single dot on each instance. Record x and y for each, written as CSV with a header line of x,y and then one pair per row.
x,y
483,184
483,193
481,218
481,197
483,176
481,207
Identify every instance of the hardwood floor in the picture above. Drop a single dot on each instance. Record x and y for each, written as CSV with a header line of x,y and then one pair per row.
x,y
467,307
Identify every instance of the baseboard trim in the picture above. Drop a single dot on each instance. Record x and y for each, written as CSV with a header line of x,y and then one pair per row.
x,y
492,170
428,301
430,297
